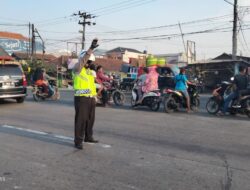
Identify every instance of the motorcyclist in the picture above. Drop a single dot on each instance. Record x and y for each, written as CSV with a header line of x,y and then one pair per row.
x,y
151,82
181,85
244,92
100,79
240,83
141,82
39,79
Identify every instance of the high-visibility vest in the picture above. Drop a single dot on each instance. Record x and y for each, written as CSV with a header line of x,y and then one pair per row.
x,y
84,83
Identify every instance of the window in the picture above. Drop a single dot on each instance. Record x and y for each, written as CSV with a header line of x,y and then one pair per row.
x,y
10,70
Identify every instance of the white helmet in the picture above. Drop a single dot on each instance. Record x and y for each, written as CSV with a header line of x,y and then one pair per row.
x,y
83,52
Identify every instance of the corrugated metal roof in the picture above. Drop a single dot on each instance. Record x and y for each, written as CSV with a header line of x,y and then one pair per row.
x,y
123,49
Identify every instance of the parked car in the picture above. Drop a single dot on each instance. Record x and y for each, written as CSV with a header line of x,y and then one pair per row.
x,y
13,84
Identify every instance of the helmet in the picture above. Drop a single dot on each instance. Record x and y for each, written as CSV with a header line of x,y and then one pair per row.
x,y
83,52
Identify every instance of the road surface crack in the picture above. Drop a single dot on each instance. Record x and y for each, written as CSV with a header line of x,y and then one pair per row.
x,y
227,185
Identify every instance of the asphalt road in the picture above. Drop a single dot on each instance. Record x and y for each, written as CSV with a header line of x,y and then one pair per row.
x,y
138,149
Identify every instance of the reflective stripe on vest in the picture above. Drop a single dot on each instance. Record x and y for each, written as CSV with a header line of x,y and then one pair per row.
x,y
82,92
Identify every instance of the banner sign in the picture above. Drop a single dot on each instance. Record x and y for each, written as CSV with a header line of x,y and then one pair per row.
x,y
15,45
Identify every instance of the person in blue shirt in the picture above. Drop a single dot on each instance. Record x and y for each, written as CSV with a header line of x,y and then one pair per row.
x,y
181,83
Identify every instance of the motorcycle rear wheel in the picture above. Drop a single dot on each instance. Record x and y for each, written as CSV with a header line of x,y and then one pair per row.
x,y
195,104
37,98
155,106
248,114
133,102
212,106
169,104
118,98
56,96
248,108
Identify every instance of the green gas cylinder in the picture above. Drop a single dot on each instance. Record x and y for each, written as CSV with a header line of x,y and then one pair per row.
x,y
151,61
161,62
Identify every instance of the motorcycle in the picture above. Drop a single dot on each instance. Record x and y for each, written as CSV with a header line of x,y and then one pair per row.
x,y
174,100
216,102
38,92
151,99
111,92
200,85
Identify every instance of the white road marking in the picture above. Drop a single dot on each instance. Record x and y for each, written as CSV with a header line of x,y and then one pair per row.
x,y
61,137
17,187
26,130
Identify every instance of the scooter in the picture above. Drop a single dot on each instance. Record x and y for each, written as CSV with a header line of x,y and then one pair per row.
x,y
151,99
38,92
174,100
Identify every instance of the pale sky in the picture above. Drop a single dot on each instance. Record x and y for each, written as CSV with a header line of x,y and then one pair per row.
x,y
56,25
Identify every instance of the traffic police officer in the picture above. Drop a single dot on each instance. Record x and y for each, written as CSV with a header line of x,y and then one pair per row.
x,y
85,92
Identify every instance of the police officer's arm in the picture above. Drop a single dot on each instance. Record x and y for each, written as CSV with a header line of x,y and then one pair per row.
x,y
82,62
78,67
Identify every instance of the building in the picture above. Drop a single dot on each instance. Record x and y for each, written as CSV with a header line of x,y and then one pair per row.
x,y
178,59
226,56
24,57
125,54
218,69
109,65
100,53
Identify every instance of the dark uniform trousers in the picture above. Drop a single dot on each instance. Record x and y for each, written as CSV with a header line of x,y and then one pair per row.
x,y
84,118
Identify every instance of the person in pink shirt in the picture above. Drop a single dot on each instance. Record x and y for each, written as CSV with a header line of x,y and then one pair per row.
x,y
151,82
100,78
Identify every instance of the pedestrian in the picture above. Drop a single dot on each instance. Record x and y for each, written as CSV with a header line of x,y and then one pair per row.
x,y
85,92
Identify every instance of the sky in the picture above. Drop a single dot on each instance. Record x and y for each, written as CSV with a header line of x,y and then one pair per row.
x,y
138,24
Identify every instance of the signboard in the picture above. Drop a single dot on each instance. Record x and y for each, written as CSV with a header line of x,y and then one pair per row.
x,y
16,45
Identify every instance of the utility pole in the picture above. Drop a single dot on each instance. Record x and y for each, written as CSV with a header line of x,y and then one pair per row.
x,y
84,21
235,26
33,43
183,41
28,48
34,35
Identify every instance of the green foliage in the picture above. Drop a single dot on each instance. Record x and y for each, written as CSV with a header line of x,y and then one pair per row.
x,y
33,65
